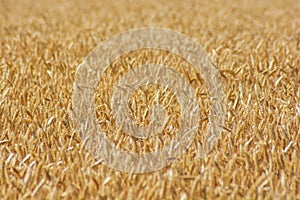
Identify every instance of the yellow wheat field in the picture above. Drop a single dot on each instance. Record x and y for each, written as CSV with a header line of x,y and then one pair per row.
x,y
254,44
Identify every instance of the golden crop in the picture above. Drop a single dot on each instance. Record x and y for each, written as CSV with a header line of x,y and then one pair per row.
x,y
255,45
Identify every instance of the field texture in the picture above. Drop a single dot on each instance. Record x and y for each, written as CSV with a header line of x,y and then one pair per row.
x,y
254,44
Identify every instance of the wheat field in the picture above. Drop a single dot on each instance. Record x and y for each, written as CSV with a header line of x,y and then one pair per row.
x,y
254,44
